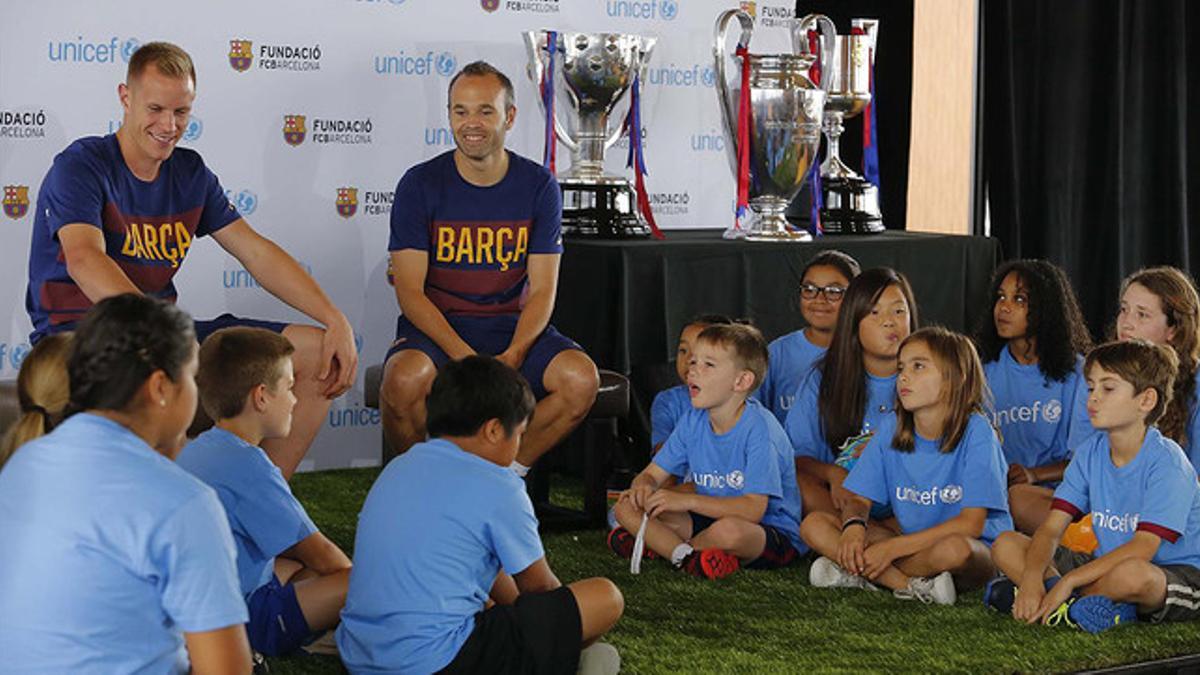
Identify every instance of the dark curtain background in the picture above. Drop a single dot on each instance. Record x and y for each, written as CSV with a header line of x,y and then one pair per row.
x,y
893,94
1091,123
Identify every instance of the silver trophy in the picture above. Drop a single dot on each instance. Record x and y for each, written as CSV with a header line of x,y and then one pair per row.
x,y
786,110
596,70
851,203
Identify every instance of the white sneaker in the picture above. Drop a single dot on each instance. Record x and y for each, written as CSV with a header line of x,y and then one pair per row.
x,y
939,589
825,573
599,658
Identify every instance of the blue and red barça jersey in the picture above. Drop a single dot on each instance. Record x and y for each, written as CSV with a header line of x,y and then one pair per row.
x,y
148,227
1156,492
478,238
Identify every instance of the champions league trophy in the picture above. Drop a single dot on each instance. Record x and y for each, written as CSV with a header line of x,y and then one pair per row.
x,y
851,203
773,119
596,71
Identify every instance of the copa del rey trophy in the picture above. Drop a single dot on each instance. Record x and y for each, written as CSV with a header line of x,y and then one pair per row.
x,y
850,202
595,70
773,117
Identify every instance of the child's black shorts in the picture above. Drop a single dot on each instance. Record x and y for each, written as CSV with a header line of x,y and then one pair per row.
x,y
541,633
778,551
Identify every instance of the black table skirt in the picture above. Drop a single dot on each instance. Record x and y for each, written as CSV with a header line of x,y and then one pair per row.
x,y
626,301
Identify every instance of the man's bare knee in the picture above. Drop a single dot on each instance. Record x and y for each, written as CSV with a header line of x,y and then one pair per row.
x,y
573,376
407,377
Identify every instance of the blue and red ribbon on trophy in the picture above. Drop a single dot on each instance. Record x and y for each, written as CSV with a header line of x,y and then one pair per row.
x,y
817,201
870,141
743,142
636,159
547,90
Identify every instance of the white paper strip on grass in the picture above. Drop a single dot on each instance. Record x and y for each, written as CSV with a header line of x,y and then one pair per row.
x,y
639,545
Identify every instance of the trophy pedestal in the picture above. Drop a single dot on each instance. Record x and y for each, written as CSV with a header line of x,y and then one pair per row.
x,y
771,224
851,206
602,208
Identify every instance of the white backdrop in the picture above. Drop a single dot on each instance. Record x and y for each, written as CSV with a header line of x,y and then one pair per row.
x,y
369,77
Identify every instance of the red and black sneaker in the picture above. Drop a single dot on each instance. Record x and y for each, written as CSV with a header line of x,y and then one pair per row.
x,y
711,563
621,541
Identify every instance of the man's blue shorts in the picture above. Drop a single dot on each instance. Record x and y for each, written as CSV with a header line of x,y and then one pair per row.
x,y
487,335
276,626
206,328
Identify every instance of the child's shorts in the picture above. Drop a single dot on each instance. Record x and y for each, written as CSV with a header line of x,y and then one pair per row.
x,y
1183,586
277,626
487,335
778,551
540,633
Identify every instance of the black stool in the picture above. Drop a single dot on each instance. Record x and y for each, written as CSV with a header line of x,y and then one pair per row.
x,y
600,434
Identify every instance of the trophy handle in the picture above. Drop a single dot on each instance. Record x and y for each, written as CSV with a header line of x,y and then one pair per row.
x,y
720,33
828,42
870,28
641,59
534,40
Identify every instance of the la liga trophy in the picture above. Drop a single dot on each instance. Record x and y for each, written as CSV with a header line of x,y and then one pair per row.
x,y
595,70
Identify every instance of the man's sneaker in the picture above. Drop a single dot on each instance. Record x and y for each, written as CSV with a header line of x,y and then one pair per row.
x,y
621,541
711,563
825,573
1000,594
939,589
1096,613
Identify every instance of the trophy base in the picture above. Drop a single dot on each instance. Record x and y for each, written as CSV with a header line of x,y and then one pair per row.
x,y
851,206
784,236
604,209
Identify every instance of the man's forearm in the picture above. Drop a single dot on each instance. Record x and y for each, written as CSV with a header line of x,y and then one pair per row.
x,y
535,316
99,276
428,319
283,277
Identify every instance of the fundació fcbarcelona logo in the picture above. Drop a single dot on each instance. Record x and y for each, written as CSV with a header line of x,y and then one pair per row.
x,y
293,129
241,54
347,201
16,201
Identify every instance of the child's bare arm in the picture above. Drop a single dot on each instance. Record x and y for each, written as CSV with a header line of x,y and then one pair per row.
x,y
969,522
537,578
319,554
645,484
747,507
1037,559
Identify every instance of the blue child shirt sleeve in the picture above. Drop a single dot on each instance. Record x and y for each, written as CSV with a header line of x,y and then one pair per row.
x,y
1074,486
513,533
410,217
762,466
73,192
1193,439
273,517
546,230
662,418
985,473
194,560
672,458
803,422
1169,499
868,477
1080,427
218,210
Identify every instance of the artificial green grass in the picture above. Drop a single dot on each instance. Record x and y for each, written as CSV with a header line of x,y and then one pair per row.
x,y
774,622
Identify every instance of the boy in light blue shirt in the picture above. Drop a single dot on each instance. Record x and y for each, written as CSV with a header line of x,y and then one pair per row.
x,y
746,504
449,570
1144,501
292,577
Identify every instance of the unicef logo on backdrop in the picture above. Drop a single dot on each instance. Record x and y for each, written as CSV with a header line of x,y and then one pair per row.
x,y
429,64
649,10
194,128
672,75
80,50
13,355
245,201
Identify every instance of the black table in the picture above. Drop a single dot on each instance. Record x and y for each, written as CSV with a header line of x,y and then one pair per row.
x,y
626,301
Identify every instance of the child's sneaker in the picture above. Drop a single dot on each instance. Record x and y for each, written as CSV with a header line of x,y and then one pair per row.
x,y
711,563
939,589
621,541
1096,613
825,573
1000,594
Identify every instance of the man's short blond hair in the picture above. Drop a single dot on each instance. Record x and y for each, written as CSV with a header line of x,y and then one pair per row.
x,y
169,59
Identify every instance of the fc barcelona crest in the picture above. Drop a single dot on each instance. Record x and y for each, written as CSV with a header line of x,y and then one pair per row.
x,y
489,5
240,55
16,200
347,201
293,129
748,6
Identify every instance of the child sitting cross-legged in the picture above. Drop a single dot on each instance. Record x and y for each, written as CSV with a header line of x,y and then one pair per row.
x,y
937,463
293,578
746,505
1145,509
